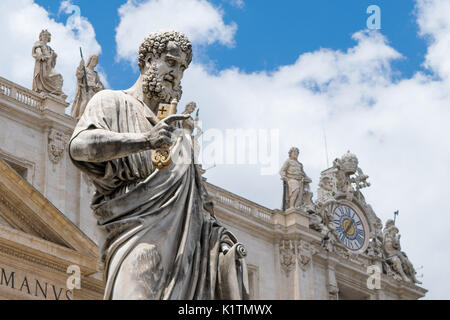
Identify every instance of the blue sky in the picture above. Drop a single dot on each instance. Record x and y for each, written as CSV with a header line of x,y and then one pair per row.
x,y
303,69
269,33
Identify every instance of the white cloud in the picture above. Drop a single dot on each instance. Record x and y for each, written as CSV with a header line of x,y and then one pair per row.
x,y
434,23
21,21
198,19
237,3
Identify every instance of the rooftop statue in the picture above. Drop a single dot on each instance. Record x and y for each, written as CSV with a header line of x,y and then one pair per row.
x,y
340,185
190,125
45,78
296,183
396,260
163,241
343,180
88,84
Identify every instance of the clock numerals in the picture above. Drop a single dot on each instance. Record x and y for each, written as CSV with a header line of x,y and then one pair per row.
x,y
360,232
360,240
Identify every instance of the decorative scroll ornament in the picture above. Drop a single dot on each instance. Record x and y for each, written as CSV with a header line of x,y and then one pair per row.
x,y
57,142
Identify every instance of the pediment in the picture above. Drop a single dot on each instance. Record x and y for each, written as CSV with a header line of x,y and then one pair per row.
x,y
25,209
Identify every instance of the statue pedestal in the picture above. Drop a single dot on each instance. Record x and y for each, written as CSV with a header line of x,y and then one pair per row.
x,y
296,216
54,103
291,217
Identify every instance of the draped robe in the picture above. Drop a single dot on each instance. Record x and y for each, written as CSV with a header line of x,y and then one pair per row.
x,y
293,172
45,78
163,241
81,96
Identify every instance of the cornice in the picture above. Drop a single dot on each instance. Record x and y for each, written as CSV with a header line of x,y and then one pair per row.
x,y
33,118
38,251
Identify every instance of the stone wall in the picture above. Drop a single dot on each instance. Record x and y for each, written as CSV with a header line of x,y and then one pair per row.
x,y
34,135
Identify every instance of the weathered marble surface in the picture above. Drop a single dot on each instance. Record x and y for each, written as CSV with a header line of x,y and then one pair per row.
x,y
45,78
296,182
163,239
396,261
191,125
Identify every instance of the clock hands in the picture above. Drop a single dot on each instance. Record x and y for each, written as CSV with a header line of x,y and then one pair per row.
x,y
349,226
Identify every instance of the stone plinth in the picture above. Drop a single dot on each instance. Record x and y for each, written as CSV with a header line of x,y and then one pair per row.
x,y
53,103
291,217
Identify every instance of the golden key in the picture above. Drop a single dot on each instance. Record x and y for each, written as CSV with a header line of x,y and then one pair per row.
x,y
161,158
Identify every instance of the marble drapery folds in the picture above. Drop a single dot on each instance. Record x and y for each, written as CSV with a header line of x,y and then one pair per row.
x,y
45,78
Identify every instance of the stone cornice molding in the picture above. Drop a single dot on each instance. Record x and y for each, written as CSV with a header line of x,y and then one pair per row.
x,y
18,244
35,118
38,109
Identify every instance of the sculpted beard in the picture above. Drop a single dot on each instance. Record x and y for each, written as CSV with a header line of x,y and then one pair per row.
x,y
153,87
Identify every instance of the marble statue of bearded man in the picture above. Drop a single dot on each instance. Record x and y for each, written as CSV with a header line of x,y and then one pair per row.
x,y
163,241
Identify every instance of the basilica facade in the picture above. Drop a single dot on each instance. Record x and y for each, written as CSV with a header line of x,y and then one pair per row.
x,y
334,247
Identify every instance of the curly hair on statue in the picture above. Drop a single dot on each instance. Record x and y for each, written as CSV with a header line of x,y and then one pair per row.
x,y
156,43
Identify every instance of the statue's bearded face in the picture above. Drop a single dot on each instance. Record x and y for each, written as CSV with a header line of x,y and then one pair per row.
x,y
162,76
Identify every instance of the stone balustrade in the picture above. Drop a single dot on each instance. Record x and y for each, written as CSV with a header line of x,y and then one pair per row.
x,y
19,93
246,208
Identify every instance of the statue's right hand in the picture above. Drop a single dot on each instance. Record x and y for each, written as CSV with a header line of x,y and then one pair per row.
x,y
159,135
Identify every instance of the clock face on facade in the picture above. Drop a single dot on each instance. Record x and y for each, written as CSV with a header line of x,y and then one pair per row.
x,y
350,228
